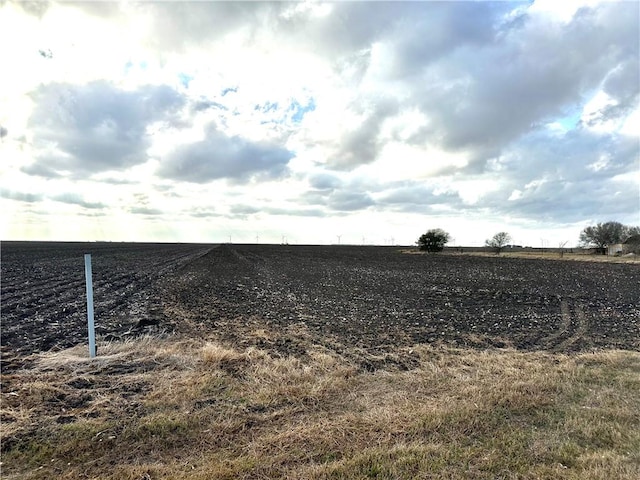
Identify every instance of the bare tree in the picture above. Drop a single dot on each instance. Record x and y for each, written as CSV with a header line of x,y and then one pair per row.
x,y
498,241
562,245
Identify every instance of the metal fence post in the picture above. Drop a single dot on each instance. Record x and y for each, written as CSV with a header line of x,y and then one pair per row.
x,y
92,332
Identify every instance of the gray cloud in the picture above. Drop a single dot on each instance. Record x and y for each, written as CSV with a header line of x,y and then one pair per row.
x,y
142,205
95,127
562,201
206,104
69,198
243,209
40,170
3,131
577,156
417,197
362,145
343,200
296,212
574,177
324,181
143,210
194,23
35,8
544,177
623,86
349,28
75,199
220,156
338,195
482,100
39,8
482,75
26,197
349,201
240,210
201,213
422,30
117,181
428,31
622,83
99,9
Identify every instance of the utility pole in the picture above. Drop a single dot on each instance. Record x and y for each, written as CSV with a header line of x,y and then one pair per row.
x,y
339,237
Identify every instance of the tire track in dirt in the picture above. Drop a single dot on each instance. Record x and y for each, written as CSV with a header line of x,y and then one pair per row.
x,y
581,329
571,330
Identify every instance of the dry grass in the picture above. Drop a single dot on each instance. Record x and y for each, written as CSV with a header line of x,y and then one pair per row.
x,y
170,408
580,257
575,257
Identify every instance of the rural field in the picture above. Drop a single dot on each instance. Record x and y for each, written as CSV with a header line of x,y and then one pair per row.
x,y
332,362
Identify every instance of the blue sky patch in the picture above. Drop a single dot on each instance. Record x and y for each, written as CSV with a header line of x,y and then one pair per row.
x,y
569,122
185,79
299,111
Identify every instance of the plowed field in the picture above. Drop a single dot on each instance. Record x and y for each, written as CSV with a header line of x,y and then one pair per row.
x,y
43,300
360,299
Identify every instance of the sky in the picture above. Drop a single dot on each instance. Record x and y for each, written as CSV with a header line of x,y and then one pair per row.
x,y
318,122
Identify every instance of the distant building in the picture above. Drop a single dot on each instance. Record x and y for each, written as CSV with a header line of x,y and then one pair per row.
x,y
615,249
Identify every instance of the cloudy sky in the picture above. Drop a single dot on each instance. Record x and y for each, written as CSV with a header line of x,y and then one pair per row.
x,y
358,122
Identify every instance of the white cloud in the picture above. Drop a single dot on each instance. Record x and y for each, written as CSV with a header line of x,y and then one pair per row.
x,y
400,161
515,195
631,125
560,11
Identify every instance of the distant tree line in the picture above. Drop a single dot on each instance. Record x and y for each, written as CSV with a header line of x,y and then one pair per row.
x,y
598,236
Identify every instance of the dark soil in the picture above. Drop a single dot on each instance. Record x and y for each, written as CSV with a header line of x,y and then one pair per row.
x,y
372,299
43,291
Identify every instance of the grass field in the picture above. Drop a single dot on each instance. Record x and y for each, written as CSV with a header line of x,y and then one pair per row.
x,y
170,407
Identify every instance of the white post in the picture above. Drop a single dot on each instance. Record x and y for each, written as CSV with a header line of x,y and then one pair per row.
x,y
92,332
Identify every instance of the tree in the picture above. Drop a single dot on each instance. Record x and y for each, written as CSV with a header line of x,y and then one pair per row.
x,y
632,231
498,241
434,240
602,235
